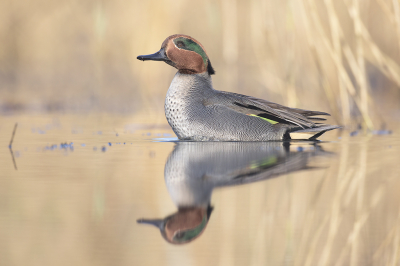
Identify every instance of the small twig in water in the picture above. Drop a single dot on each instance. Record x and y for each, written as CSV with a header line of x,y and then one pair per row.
x,y
10,145
13,134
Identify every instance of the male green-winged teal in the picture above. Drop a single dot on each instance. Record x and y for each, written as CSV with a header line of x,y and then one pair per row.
x,y
196,111
193,170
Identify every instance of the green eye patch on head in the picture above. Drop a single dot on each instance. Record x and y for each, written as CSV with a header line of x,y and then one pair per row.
x,y
184,236
188,44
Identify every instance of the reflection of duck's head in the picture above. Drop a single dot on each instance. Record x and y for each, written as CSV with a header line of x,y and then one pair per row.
x,y
183,226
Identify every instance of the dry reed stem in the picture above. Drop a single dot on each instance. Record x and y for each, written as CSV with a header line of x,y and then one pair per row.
x,y
351,188
318,61
314,241
319,58
355,245
337,57
259,241
258,44
268,76
343,77
345,175
357,73
362,214
360,75
327,87
358,224
353,237
310,249
383,247
310,235
339,46
387,66
385,7
337,50
396,250
396,9
230,52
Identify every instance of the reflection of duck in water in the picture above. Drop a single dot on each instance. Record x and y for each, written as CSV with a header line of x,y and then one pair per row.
x,y
194,169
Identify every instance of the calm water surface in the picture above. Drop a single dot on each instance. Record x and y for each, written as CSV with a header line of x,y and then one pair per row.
x,y
112,190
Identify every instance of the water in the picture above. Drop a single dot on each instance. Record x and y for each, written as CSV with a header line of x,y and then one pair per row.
x,y
80,184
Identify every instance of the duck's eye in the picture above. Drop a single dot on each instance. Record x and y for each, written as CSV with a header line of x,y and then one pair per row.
x,y
180,235
180,44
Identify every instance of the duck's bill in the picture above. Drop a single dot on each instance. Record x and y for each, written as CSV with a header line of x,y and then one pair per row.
x,y
156,222
159,56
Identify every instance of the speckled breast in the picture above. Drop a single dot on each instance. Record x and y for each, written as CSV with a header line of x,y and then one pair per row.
x,y
176,108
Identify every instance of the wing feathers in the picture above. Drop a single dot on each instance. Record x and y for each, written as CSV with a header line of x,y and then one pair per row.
x,y
273,111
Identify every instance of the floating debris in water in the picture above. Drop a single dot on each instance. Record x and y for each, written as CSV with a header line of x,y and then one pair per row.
x,y
381,132
116,135
77,131
354,133
65,146
83,144
109,144
51,147
103,149
300,148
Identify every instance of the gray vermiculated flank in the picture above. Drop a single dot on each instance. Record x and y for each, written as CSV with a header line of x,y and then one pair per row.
x,y
196,111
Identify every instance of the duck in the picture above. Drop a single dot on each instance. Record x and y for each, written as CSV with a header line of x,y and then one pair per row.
x,y
198,112
194,170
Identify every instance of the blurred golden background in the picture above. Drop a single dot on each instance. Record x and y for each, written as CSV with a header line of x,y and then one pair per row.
x,y
341,57
69,73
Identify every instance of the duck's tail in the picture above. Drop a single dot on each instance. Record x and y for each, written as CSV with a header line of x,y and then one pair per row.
x,y
310,133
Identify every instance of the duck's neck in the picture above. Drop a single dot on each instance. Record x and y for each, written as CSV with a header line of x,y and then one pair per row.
x,y
184,84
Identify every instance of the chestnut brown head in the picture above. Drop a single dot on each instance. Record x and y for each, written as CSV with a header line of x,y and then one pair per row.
x,y
184,53
183,226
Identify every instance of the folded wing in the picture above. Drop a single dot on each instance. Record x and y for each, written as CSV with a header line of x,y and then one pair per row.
x,y
271,111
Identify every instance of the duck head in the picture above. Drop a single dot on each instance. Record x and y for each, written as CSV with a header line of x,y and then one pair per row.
x,y
183,226
184,53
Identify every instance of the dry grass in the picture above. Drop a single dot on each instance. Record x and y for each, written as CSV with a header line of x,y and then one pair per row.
x,y
338,56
